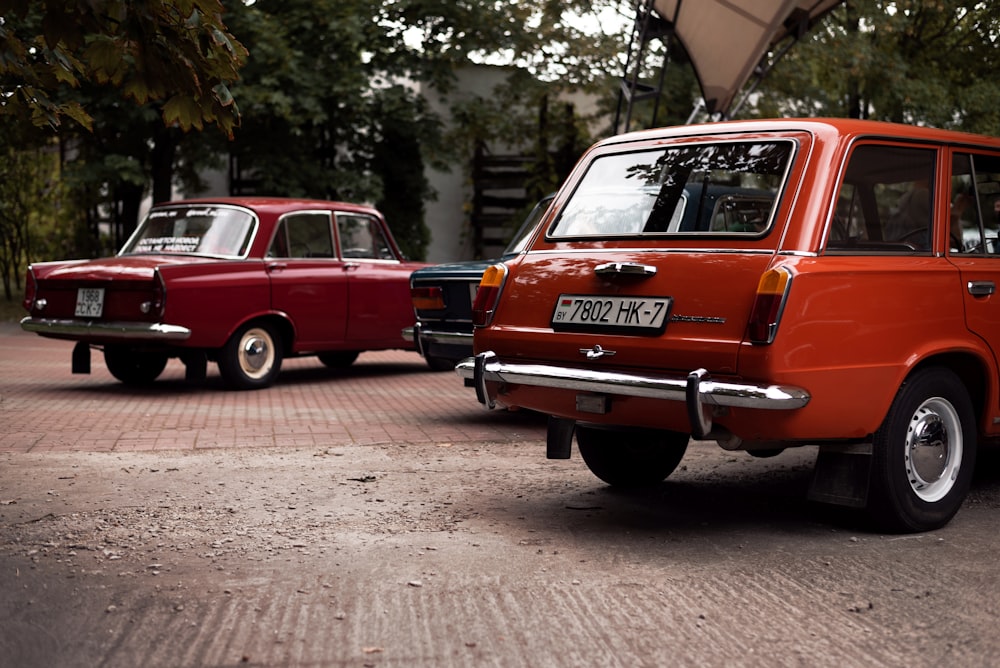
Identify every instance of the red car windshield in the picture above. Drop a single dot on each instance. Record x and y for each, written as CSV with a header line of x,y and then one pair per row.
x,y
193,230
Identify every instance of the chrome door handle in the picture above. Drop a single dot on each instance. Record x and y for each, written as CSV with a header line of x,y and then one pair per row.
x,y
624,269
982,288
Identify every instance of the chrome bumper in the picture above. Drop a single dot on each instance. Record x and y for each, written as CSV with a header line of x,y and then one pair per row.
x,y
419,333
696,390
144,331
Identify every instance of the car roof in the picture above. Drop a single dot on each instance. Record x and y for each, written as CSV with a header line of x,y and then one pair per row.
x,y
272,204
825,127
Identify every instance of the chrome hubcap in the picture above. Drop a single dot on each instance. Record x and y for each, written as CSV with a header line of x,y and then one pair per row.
x,y
933,449
256,355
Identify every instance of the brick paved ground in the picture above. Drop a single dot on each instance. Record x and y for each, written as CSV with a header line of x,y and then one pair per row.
x,y
384,397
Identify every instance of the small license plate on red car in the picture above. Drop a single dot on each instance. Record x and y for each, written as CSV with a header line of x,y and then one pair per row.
x,y
89,302
646,315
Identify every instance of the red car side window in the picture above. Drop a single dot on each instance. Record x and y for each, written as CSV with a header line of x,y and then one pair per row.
x,y
303,235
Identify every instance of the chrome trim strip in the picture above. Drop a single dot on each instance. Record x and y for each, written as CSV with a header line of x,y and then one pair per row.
x,y
449,279
607,250
742,395
419,333
146,331
446,337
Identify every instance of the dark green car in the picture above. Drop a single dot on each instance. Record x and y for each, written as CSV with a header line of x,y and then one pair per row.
x,y
442,299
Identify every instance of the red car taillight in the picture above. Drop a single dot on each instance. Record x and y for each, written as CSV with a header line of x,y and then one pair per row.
x,y
158,303
772,292
488,295
427,299
30,290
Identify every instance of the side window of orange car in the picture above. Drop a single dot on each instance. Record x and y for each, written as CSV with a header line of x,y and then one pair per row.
x,y
975,204
885,202
303,235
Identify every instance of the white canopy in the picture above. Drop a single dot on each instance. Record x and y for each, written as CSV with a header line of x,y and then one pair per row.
x,y
726,39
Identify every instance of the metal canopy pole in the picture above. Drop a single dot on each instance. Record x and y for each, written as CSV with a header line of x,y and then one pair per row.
x,y
646,27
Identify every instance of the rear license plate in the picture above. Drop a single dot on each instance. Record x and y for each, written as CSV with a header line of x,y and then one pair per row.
x,y
89,302
646,315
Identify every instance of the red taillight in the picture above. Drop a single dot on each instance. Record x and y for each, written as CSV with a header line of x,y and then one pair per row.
x,y
772,291
30,290
427,299
159,302
488,295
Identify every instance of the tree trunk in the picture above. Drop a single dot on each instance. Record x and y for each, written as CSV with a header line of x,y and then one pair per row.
x,y
162,167
129,200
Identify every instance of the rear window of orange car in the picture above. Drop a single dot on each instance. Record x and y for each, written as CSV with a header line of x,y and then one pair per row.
x,y
721,188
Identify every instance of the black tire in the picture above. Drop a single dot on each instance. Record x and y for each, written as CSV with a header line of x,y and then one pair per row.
x,y
251,358
134,367
440,364
338,359
766,453
631,457
923,454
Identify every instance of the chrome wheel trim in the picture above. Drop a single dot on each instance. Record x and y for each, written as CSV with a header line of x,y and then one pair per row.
x,y
255,353
934,448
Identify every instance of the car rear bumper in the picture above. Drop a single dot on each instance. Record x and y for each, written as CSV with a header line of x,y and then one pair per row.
x,y
427,340
90,329
695,389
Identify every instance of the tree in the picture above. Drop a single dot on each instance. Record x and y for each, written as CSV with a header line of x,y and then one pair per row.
x,y
133,79
32,216
911,61
174,52
320,109
325,114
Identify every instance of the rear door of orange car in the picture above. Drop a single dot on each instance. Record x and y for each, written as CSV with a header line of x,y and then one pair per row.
x,y
974,239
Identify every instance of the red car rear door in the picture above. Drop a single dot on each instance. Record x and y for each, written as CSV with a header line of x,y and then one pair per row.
x,y
379,284
308,282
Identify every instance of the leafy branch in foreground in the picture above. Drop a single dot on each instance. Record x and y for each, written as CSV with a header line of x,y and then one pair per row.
x,y
178,53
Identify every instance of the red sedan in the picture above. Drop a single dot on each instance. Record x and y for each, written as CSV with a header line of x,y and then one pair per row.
x,y
243,282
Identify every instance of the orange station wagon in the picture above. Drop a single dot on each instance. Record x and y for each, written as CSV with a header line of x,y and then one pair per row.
x,y
766,285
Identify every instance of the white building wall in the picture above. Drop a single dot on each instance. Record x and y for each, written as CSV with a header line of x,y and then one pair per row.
x,y
447,216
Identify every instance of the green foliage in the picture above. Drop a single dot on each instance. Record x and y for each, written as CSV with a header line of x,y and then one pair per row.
x,y
679,89
33,221
398,162
322,117
318,112
912,61
177,52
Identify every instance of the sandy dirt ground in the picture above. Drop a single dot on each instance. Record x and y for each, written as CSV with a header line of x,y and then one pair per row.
x,y
453,547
